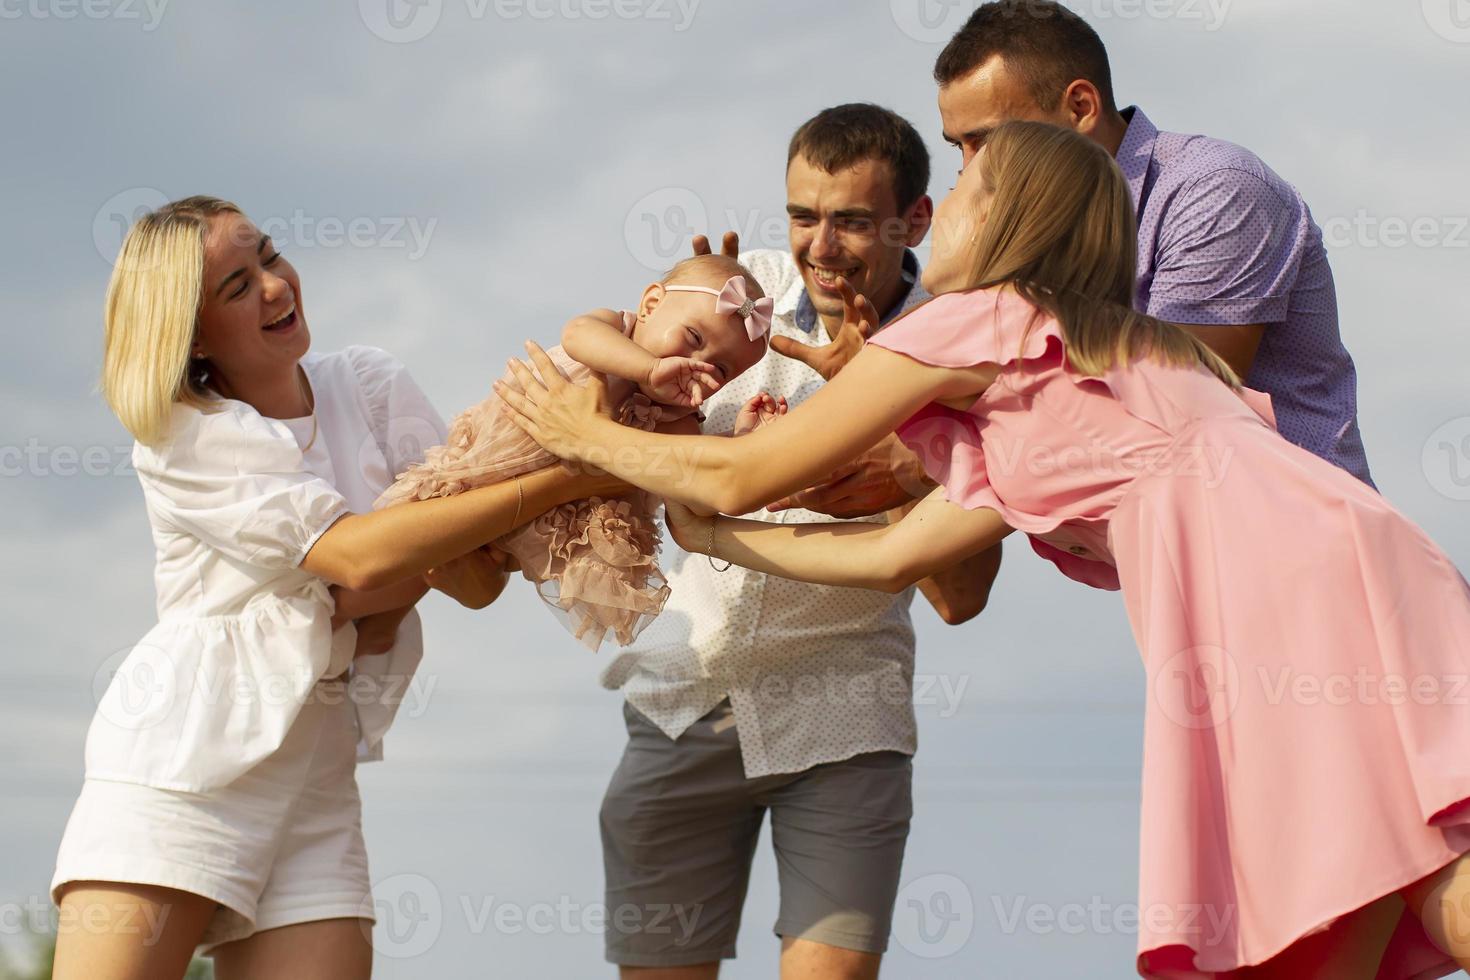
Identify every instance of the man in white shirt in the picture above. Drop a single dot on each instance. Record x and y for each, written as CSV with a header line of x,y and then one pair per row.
x,y
752,693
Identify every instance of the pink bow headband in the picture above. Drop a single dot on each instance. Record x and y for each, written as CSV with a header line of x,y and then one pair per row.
x,y
733,299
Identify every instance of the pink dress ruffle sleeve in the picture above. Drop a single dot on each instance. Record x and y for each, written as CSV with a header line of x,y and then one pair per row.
x,y
1305,644
594,561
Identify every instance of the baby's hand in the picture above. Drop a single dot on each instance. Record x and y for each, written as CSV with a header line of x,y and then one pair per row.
x,y
760,410
681,381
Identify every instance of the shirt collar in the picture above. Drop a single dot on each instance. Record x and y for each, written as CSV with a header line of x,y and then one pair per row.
x,y
804,314
1137,152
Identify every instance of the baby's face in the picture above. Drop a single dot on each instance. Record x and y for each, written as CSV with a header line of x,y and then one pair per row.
x,y
682,324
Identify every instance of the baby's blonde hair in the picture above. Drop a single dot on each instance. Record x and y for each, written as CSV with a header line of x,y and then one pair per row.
x,y
713,271
152,314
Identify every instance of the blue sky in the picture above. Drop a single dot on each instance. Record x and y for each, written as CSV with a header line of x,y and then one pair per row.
x,y
453,176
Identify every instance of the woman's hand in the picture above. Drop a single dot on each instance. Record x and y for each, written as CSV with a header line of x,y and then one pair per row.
x,y
562,417
688,529
474,580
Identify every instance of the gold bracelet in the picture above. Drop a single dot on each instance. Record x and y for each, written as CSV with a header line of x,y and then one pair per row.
x,y
710,555
515,522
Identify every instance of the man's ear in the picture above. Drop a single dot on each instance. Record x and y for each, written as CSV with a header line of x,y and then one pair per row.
x,y
920,218
1082,105
652,296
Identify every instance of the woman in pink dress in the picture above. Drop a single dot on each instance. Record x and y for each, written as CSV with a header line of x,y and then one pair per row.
x,y
1305,771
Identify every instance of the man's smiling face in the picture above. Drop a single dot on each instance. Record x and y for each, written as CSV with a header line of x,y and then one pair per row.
x,y
847,225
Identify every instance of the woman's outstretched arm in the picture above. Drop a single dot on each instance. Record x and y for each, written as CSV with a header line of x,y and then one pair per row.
x,y
370,551
934,536
874,393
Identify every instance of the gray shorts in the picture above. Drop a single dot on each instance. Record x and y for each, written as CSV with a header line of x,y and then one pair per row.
x,y
679,827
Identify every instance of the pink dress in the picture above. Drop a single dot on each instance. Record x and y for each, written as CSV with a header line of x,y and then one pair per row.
x,y
594,561
1307,734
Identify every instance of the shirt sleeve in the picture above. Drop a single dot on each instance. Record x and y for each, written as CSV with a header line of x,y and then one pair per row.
x,y
1228,252
237,484
404,422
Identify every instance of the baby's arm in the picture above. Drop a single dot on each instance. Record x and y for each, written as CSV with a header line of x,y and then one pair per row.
x,y
597,340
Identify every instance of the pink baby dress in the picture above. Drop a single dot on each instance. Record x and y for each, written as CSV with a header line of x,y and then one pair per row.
x,y
594,561
1307,735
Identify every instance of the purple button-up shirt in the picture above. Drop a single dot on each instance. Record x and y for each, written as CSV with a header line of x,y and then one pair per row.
x,y
1224,241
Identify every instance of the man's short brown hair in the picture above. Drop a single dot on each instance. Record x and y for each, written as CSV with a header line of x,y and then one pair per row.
x,y
846,135
1045,44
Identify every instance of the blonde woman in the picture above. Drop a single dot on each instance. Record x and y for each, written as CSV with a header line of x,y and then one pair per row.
x,y
220,806
1282,837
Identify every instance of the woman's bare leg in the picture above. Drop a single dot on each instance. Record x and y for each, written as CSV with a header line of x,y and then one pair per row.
x,y
114,931
1442,903
1350,950
332,949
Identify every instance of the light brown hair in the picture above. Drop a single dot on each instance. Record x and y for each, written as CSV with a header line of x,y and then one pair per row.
x,y
1061,231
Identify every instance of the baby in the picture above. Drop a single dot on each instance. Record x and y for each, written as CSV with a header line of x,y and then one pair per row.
x,y
595,560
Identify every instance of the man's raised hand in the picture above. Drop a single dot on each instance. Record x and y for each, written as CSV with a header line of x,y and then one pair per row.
x,y
859,320
729,245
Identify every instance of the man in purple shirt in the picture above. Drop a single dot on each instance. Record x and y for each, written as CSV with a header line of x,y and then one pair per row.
x,y
1226,248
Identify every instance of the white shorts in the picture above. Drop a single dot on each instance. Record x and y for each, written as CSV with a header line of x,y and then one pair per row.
x,y
280,845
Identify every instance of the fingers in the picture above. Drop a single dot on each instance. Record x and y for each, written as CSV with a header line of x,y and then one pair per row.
x,y
823,495
857,309
729,245
530,386
696,396
867,317
517,407
551,375
849,298
710,382
795,350
796,500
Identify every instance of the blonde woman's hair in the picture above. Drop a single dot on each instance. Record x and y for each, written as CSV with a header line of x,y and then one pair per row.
x,y
152,314
1061,231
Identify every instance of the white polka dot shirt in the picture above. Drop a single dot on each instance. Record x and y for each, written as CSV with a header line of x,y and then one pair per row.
x,y
814,673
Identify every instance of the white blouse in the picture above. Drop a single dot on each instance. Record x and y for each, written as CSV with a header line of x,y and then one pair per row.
x,y
244,634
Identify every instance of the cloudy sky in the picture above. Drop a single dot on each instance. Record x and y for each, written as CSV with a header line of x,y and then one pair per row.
x,y
452,176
